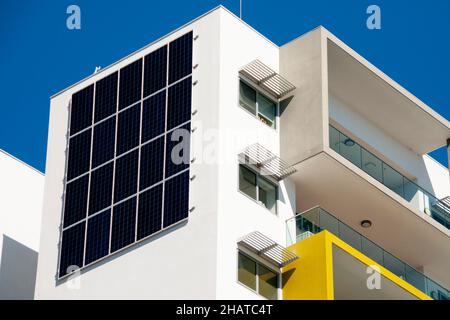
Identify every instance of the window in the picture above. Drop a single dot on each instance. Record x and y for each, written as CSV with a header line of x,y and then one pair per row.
x,y
258,188
257,277
257,104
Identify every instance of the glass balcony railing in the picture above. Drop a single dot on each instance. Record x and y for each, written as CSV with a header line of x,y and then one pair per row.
x,y
381,171
317,219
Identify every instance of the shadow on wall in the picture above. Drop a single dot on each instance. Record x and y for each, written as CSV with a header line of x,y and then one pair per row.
x,y
18,266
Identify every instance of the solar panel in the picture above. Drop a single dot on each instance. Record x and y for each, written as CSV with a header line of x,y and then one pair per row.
x,y
124,224
176,199
178,149
81,109
100,191
152,163
104,142
179,103
79,154
106,97
130,84
155,71
128,129
180,57
75,202
72,249
125,183
154,116
97,238
150,212
127,174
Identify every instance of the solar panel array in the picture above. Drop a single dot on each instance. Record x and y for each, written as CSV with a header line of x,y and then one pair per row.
x,y
122,184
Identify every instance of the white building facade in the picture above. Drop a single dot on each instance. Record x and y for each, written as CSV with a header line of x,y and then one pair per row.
x,y
197,258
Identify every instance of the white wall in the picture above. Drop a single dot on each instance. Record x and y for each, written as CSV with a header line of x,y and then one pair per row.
x,y
21,190
238,214
178,263
430,174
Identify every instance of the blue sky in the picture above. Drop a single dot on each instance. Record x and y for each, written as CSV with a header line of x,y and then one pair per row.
x,y
39,56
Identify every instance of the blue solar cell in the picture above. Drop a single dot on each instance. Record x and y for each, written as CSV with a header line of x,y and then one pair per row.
x,y
152,163
100,191
97,238
178,144
150,212
179,103
180,57
75,202
79,154
81,109
106,97
153,116
155,71
130,84
125,183
72,249
104,142
124,224
176,199
128,129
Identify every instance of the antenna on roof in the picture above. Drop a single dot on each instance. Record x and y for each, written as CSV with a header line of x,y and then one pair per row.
x,y
240,9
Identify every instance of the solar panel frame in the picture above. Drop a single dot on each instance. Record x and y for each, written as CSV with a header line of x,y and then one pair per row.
x,y
133,83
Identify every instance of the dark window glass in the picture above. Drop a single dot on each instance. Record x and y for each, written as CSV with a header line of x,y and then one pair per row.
x,y
176,199
97,241
72,249
179,103
178,149
152,162
81,109
150,212
101,188
153,116
130,84
125,183
128,129
76,200
104,141
106,97
79,154
124,224
180,57
155,73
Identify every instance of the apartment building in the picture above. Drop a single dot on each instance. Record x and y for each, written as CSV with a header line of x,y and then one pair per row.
x,y
22,190
214,164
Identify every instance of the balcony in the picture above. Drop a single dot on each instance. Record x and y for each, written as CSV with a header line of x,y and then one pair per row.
x,y
391,178
317,219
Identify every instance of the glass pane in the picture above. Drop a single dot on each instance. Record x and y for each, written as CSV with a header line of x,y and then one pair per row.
x,y
247,97
436,291
327,221
267,110
372,165
415,278
349,236
412,193
267,283
371,250
350,150
268,195
393,180
394,265
247,182
247,271
334,139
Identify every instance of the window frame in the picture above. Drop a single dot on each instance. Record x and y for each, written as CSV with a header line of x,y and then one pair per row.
x,y
257,186
258,263
259,92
